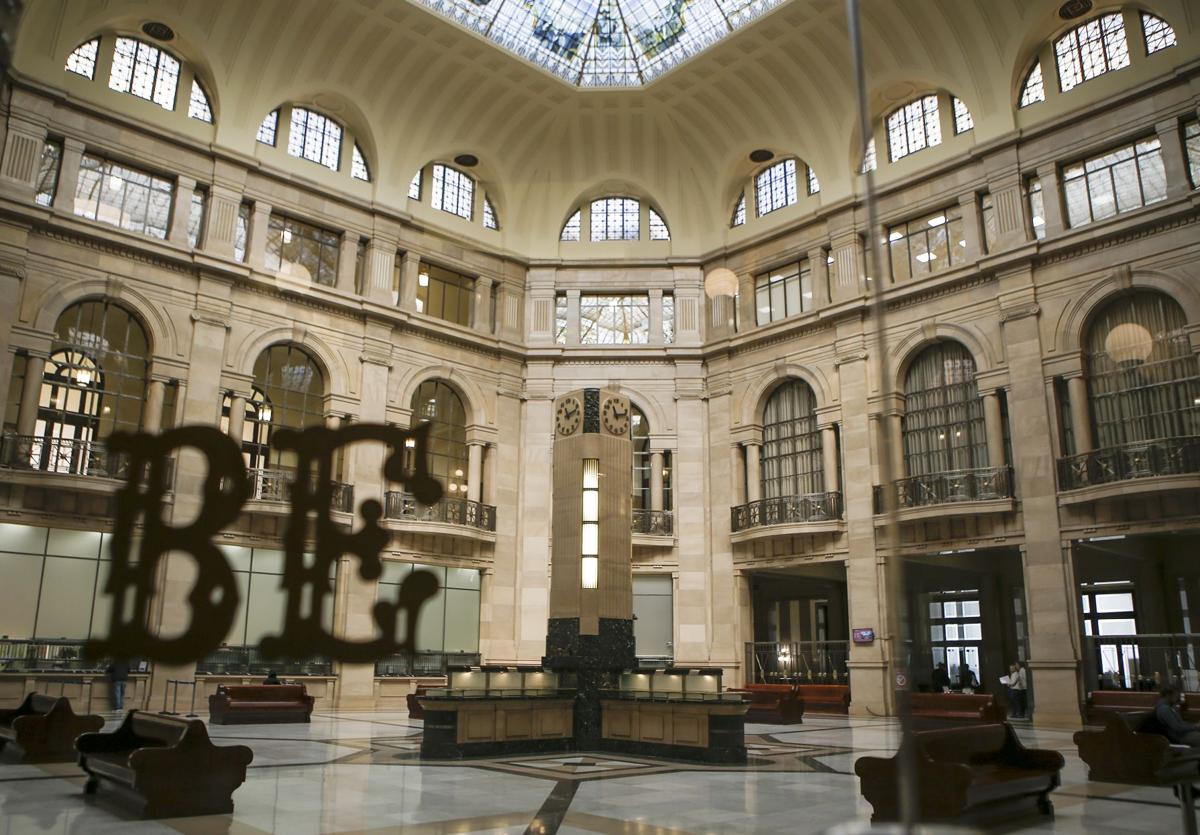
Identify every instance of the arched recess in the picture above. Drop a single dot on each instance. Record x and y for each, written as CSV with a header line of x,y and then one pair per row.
x,y
754,401
474,402
912,345
659,423
615,187
329,361
160,330
1069,332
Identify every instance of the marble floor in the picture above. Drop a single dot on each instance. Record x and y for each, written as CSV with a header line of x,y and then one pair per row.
x,y
359,772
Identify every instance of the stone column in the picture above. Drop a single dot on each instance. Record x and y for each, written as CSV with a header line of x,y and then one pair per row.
x,y
482,311
656,317
410,273
256,246
894,440
1052,203
68,176
573,317
1174,159
31,392
488,494
968,205
737,468
152,411
753,471
744,602
746,313
994,423
1081,414
223,206
347,262
656,480
818,267
474,471
1049,586
181,210
379,268
22,152
237,417
531,591
829,455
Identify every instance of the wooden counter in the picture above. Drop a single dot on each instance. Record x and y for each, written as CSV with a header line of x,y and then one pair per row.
x,y
456,728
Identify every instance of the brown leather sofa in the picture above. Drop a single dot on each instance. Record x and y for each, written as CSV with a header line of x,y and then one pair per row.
x,y
1132,748
773,704
825,698
931,710
1101,705
241,704
43,729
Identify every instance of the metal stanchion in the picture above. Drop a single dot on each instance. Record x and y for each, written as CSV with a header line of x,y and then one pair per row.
x,y
174,700
166,687
192,710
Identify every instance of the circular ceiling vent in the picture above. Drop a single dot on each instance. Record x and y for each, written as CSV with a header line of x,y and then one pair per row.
x,y
158,30
761,155
467,160
1074,8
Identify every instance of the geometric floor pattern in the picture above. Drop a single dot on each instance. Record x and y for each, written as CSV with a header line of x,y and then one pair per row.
x,y
360,772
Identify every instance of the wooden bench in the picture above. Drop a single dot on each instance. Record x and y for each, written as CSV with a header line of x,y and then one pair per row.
x,y
825,698
933,710
1100,705
977,773
775,704
415,711
164,767
43,729
1132,748
241,704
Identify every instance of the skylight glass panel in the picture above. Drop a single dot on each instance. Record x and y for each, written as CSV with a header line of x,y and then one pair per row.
x,y
658,228
83,60
913,127
603,43
814,185
1034,90
570,230
489,215
1158,33
358,165
315,137
739,211
616,219
962,116
145,71
414,187
453,191
198,104
775,187
1090,50
266,131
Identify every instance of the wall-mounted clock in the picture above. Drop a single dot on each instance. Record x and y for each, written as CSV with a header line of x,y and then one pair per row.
x,y
615,415
568,416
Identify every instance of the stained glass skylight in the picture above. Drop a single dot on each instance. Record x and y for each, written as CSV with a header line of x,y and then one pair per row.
x,y
603,43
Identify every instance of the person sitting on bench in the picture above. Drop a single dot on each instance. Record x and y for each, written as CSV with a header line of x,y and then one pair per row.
x,y
272,678
1167,713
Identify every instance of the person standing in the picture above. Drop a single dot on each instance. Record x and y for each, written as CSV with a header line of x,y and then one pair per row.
x,y
941,678
118,675
1018,684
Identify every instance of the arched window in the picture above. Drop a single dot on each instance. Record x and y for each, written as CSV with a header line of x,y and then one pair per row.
x,y
963,121
453,191
869,160
1143,378
437,404
792,463
489,214
292,390
256,427
1157,33
739,211
775,187
82,60
198,106
943,424
913,127
94,384
1090,50
570,230
315,137
1033,90
358,165
658,226
639,431
616,219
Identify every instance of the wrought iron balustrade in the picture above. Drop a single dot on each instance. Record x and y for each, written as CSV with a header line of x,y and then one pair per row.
x,y
654,522
275,485
66,456
451,511
978,485
1147,459
801,662
1142,661
424,663
248,661
783,510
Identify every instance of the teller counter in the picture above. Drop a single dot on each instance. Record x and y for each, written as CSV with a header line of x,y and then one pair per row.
x,y
479,726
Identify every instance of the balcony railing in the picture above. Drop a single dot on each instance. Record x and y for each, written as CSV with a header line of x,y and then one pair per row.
x,y
248,661
67,456
654,522
784,510
424,663
275,485
1168,456
405,507
803,662
1142,662
984,484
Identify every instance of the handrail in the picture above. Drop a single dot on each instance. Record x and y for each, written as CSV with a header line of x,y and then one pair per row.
x,y
950,487
1141,459
274,484
451,511
783,510
654,522
66,456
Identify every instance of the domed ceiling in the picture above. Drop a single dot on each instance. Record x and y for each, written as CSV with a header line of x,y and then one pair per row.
x,y
603,43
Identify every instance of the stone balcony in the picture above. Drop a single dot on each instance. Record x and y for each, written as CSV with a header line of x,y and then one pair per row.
x,y
273,486
82,464
955,492
452,516
653,528
1163,465
787,515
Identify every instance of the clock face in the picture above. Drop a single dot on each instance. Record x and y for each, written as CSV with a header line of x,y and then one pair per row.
x,y
568,416
615,415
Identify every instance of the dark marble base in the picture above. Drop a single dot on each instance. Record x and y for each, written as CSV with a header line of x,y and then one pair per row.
x,y
493,750
728,755
611,649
